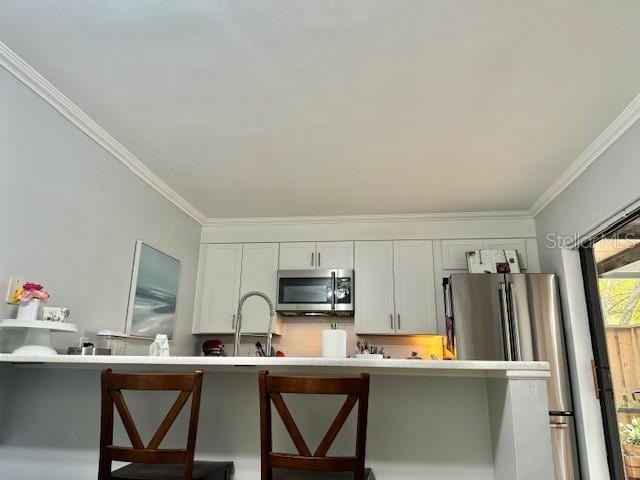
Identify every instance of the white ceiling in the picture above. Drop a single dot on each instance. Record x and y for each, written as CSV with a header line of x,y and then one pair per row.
x,y
338,107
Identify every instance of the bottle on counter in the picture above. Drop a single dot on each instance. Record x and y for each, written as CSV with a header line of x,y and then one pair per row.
x,y
160,346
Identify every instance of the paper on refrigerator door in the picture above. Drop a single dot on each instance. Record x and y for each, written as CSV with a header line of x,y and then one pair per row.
x,y
475,263
492,261
513,260
500,261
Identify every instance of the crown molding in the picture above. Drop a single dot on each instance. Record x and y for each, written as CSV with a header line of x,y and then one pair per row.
x,y
620,125
20,69
344,219
433,226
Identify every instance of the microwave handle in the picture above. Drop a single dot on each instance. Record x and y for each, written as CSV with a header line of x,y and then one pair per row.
x,y
334,287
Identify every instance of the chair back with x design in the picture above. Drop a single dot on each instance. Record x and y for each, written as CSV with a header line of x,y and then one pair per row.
x,y
112,386
271,390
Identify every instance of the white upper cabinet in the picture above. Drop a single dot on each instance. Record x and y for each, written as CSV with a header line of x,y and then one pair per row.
x,y
218,288
414,287
375,310
228,271
298,255
454,253
312,255
334,255
259,272
395,291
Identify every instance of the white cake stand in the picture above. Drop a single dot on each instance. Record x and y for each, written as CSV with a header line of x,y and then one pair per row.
x,y
38,339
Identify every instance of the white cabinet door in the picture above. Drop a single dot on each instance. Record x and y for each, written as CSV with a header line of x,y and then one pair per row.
x,y
219,288
454,253
259,272
414,287
334,255
375,312
518,244
297,256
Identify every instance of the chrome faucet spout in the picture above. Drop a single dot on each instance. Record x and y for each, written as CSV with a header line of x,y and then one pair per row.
x,y
238,329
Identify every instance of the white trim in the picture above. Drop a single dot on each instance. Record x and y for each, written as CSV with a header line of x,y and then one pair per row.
x,y
592,450
370,227
343,219
620,125
603,225
41,86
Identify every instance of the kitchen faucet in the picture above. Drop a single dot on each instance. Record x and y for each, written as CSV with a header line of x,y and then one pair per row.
x,y
272,313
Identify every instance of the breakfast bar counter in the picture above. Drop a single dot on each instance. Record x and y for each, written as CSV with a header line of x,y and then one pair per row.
x,y
427,419
293,365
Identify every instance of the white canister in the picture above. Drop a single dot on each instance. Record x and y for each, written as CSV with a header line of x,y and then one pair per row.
x,y
29,310
334,342
115,341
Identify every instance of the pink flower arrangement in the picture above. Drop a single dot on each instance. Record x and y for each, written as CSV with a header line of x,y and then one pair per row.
x,y
30,291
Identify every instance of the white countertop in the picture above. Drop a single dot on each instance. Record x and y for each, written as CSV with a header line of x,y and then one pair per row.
x,y
294,365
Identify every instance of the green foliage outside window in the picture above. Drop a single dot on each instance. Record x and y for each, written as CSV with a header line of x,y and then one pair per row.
x,y
620,299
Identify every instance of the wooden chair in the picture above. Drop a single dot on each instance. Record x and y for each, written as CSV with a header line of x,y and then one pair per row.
x,y
305,465
152,462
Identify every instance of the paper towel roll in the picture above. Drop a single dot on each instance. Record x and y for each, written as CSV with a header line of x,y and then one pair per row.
x,y
334,343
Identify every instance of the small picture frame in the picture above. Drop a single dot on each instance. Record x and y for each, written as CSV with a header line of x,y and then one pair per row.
x,y
55,314
153,296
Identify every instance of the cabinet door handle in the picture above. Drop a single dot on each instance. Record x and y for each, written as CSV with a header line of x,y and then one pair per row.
x,y
398,321
233,321
312,254
391,320
318,258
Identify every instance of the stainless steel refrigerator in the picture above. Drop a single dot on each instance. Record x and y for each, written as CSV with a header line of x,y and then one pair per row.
x,y
516,317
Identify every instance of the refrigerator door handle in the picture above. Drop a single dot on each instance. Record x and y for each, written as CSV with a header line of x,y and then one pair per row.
x,y
564,454
504,315
514,323
448,315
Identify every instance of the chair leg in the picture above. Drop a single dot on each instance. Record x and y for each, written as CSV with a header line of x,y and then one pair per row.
x,y
266,473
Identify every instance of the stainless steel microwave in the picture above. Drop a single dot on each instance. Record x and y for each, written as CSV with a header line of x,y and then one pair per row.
x,y
315,292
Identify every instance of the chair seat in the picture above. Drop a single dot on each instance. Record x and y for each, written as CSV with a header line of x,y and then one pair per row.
x,y
201,471
279,474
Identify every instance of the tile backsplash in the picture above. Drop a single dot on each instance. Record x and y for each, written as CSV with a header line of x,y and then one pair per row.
x,y
302,337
